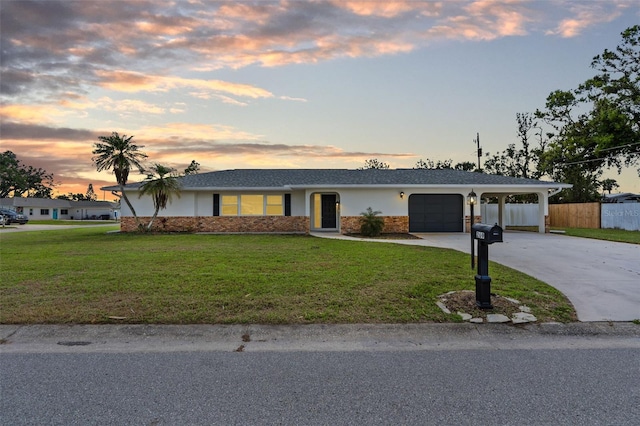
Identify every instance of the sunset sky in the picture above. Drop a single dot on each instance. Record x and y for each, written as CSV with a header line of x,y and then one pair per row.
x,y
291,84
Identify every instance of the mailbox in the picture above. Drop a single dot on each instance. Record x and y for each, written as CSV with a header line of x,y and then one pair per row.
x,y
485,235
488,234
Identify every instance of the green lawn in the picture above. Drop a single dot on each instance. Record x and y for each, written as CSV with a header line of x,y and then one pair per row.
x,y
86,275
619,235
72,222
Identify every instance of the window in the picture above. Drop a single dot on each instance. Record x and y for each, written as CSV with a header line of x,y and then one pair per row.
x,y
229,205
274,205
251,205
64,211
44,212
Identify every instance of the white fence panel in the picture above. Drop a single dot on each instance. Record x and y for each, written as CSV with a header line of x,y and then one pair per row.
x,y
515,214
620,216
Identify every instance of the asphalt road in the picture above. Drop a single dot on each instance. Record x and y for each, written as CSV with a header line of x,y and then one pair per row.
x,y
474,387
456,374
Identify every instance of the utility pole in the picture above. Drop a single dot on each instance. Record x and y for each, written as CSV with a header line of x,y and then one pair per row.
x,y
477,142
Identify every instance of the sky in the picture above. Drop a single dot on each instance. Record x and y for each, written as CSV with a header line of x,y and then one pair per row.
x,y
289,84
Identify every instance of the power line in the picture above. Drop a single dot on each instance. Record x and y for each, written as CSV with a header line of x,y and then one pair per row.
x,y
600,159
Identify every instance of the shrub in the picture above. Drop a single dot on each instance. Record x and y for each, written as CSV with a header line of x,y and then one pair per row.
x,y
371,224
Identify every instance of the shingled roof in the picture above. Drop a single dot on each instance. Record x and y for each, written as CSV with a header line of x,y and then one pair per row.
x,y
290,178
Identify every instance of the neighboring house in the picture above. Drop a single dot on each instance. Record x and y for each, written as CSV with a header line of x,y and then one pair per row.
x,y
47,208
624,197
310,200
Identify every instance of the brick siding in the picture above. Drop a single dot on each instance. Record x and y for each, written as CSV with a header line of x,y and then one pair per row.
x,y
467,224
231,224
392,224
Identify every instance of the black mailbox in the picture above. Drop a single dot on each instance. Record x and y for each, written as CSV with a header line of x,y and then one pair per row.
x,y
488,234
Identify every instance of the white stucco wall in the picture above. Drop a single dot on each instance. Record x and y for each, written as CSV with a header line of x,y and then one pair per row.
x,y
183,206
355,201
298,203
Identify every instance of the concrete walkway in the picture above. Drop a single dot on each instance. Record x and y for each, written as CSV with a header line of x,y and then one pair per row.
x,y
600,278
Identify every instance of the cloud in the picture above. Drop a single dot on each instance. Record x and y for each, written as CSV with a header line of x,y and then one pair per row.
x,y
131,82
21,131
587,15
389,9
60,47
55,50
130,106
28,113
190,131
289,98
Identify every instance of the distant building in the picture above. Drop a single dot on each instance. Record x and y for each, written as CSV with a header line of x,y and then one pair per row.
x,y
623,197
47,209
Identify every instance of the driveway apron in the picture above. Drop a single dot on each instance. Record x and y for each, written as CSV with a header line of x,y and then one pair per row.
x,y
600,278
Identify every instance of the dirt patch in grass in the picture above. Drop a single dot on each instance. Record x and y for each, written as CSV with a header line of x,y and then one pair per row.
x,y
465,301
389,236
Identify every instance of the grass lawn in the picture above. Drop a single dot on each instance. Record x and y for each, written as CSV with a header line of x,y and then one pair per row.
x,y
619,235
72,222
85,275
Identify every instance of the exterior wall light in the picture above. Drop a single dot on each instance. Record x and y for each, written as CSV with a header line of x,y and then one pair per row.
x,y
401,194
472,198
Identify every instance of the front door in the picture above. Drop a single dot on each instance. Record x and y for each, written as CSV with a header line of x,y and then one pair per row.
x,y
329,211
55,214
324,211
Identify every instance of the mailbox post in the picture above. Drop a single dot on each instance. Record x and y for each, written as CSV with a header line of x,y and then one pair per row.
x,y
485,235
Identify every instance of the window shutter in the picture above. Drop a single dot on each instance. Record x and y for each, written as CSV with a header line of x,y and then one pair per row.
x,y
216,204
287,204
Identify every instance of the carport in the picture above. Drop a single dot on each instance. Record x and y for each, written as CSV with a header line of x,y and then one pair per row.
x,y
543,205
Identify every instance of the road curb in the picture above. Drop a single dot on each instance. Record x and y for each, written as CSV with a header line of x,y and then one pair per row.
x,y
314,337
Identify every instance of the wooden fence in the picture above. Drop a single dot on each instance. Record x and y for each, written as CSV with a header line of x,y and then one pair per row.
x,y
575,215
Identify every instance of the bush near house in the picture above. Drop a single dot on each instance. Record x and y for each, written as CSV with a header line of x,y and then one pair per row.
x,y
371,225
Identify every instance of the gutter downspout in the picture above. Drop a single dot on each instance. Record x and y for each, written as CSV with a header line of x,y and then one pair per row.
x,y
554,191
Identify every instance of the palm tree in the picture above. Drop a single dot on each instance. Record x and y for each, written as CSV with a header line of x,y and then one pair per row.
x,y
161,184
118,154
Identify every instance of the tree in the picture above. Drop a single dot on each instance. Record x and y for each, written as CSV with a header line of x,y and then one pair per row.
x,y
17,179
618,87
518,162
162,184
374,163
73,197
192,169
609,185
466,166
90,195
118,154
597,125
430,164
572,154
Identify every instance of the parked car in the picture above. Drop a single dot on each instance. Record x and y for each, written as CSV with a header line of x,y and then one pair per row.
x,y
12,217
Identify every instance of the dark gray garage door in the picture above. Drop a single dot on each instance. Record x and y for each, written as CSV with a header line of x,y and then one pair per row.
x,y
435,213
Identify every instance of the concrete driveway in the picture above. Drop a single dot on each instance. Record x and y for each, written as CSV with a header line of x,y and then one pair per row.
x,y
600,278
